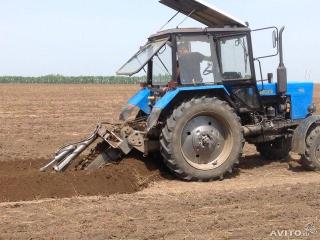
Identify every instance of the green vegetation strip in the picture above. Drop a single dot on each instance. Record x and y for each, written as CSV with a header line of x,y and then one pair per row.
x,y
59,79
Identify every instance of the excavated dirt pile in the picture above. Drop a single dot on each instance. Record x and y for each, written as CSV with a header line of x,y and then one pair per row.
x,y
21,180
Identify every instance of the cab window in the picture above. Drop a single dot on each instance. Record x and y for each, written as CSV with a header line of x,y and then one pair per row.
x,y
234,58
197,60
162,66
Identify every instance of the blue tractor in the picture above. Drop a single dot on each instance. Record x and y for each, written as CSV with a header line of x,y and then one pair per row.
x,y
201,101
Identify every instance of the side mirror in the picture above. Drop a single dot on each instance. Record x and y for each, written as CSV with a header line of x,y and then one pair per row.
x,y
270,77
275,38
263,48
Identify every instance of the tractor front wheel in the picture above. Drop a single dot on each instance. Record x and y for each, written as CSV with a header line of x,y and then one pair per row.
x,y
202,140
311,159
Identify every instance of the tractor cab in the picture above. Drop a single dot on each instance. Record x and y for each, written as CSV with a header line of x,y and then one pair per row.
x,y
194,57
217,55
199,57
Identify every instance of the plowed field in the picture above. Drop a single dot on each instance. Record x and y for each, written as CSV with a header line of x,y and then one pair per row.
x,y
137,199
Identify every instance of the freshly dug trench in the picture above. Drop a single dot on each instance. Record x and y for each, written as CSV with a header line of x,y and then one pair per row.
x,y
21,180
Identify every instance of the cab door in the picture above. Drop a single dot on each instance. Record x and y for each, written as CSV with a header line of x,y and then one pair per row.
x,y
237,70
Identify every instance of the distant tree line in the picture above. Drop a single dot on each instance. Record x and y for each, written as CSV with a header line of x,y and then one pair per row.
x,y
60,79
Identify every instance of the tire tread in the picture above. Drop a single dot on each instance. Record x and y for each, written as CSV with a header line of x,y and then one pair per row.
x,y
167,136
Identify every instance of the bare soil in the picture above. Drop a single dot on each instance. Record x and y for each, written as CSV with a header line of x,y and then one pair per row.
x,y
22,181
36,119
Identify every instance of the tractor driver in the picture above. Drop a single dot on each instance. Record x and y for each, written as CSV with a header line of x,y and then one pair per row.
x,y
189,65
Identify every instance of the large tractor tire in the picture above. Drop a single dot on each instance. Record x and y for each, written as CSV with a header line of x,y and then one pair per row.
x,y
275,150
202,140
311,159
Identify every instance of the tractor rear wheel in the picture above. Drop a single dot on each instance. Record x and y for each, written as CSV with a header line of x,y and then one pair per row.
x,y
311,159
202,140
275,150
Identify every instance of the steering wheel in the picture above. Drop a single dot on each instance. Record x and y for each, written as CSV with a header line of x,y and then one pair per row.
x,y
208,70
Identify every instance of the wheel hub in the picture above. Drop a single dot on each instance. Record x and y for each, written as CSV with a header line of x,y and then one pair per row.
x,y
203,142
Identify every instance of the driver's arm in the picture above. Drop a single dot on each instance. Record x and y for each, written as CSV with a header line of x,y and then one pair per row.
x,y
202,57
205,58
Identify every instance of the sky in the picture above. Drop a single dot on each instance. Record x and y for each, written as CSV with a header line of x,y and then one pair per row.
x,y
95,37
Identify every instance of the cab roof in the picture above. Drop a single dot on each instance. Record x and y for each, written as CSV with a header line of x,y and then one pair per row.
x,y
204,13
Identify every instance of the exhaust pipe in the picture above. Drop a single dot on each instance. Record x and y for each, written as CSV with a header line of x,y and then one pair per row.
x,y
281,71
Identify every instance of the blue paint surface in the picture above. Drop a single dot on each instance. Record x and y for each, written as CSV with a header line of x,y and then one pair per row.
x,y
140,99
301,96
170,95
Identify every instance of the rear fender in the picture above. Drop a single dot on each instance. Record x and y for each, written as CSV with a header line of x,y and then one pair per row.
x,y
178,94
300,134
